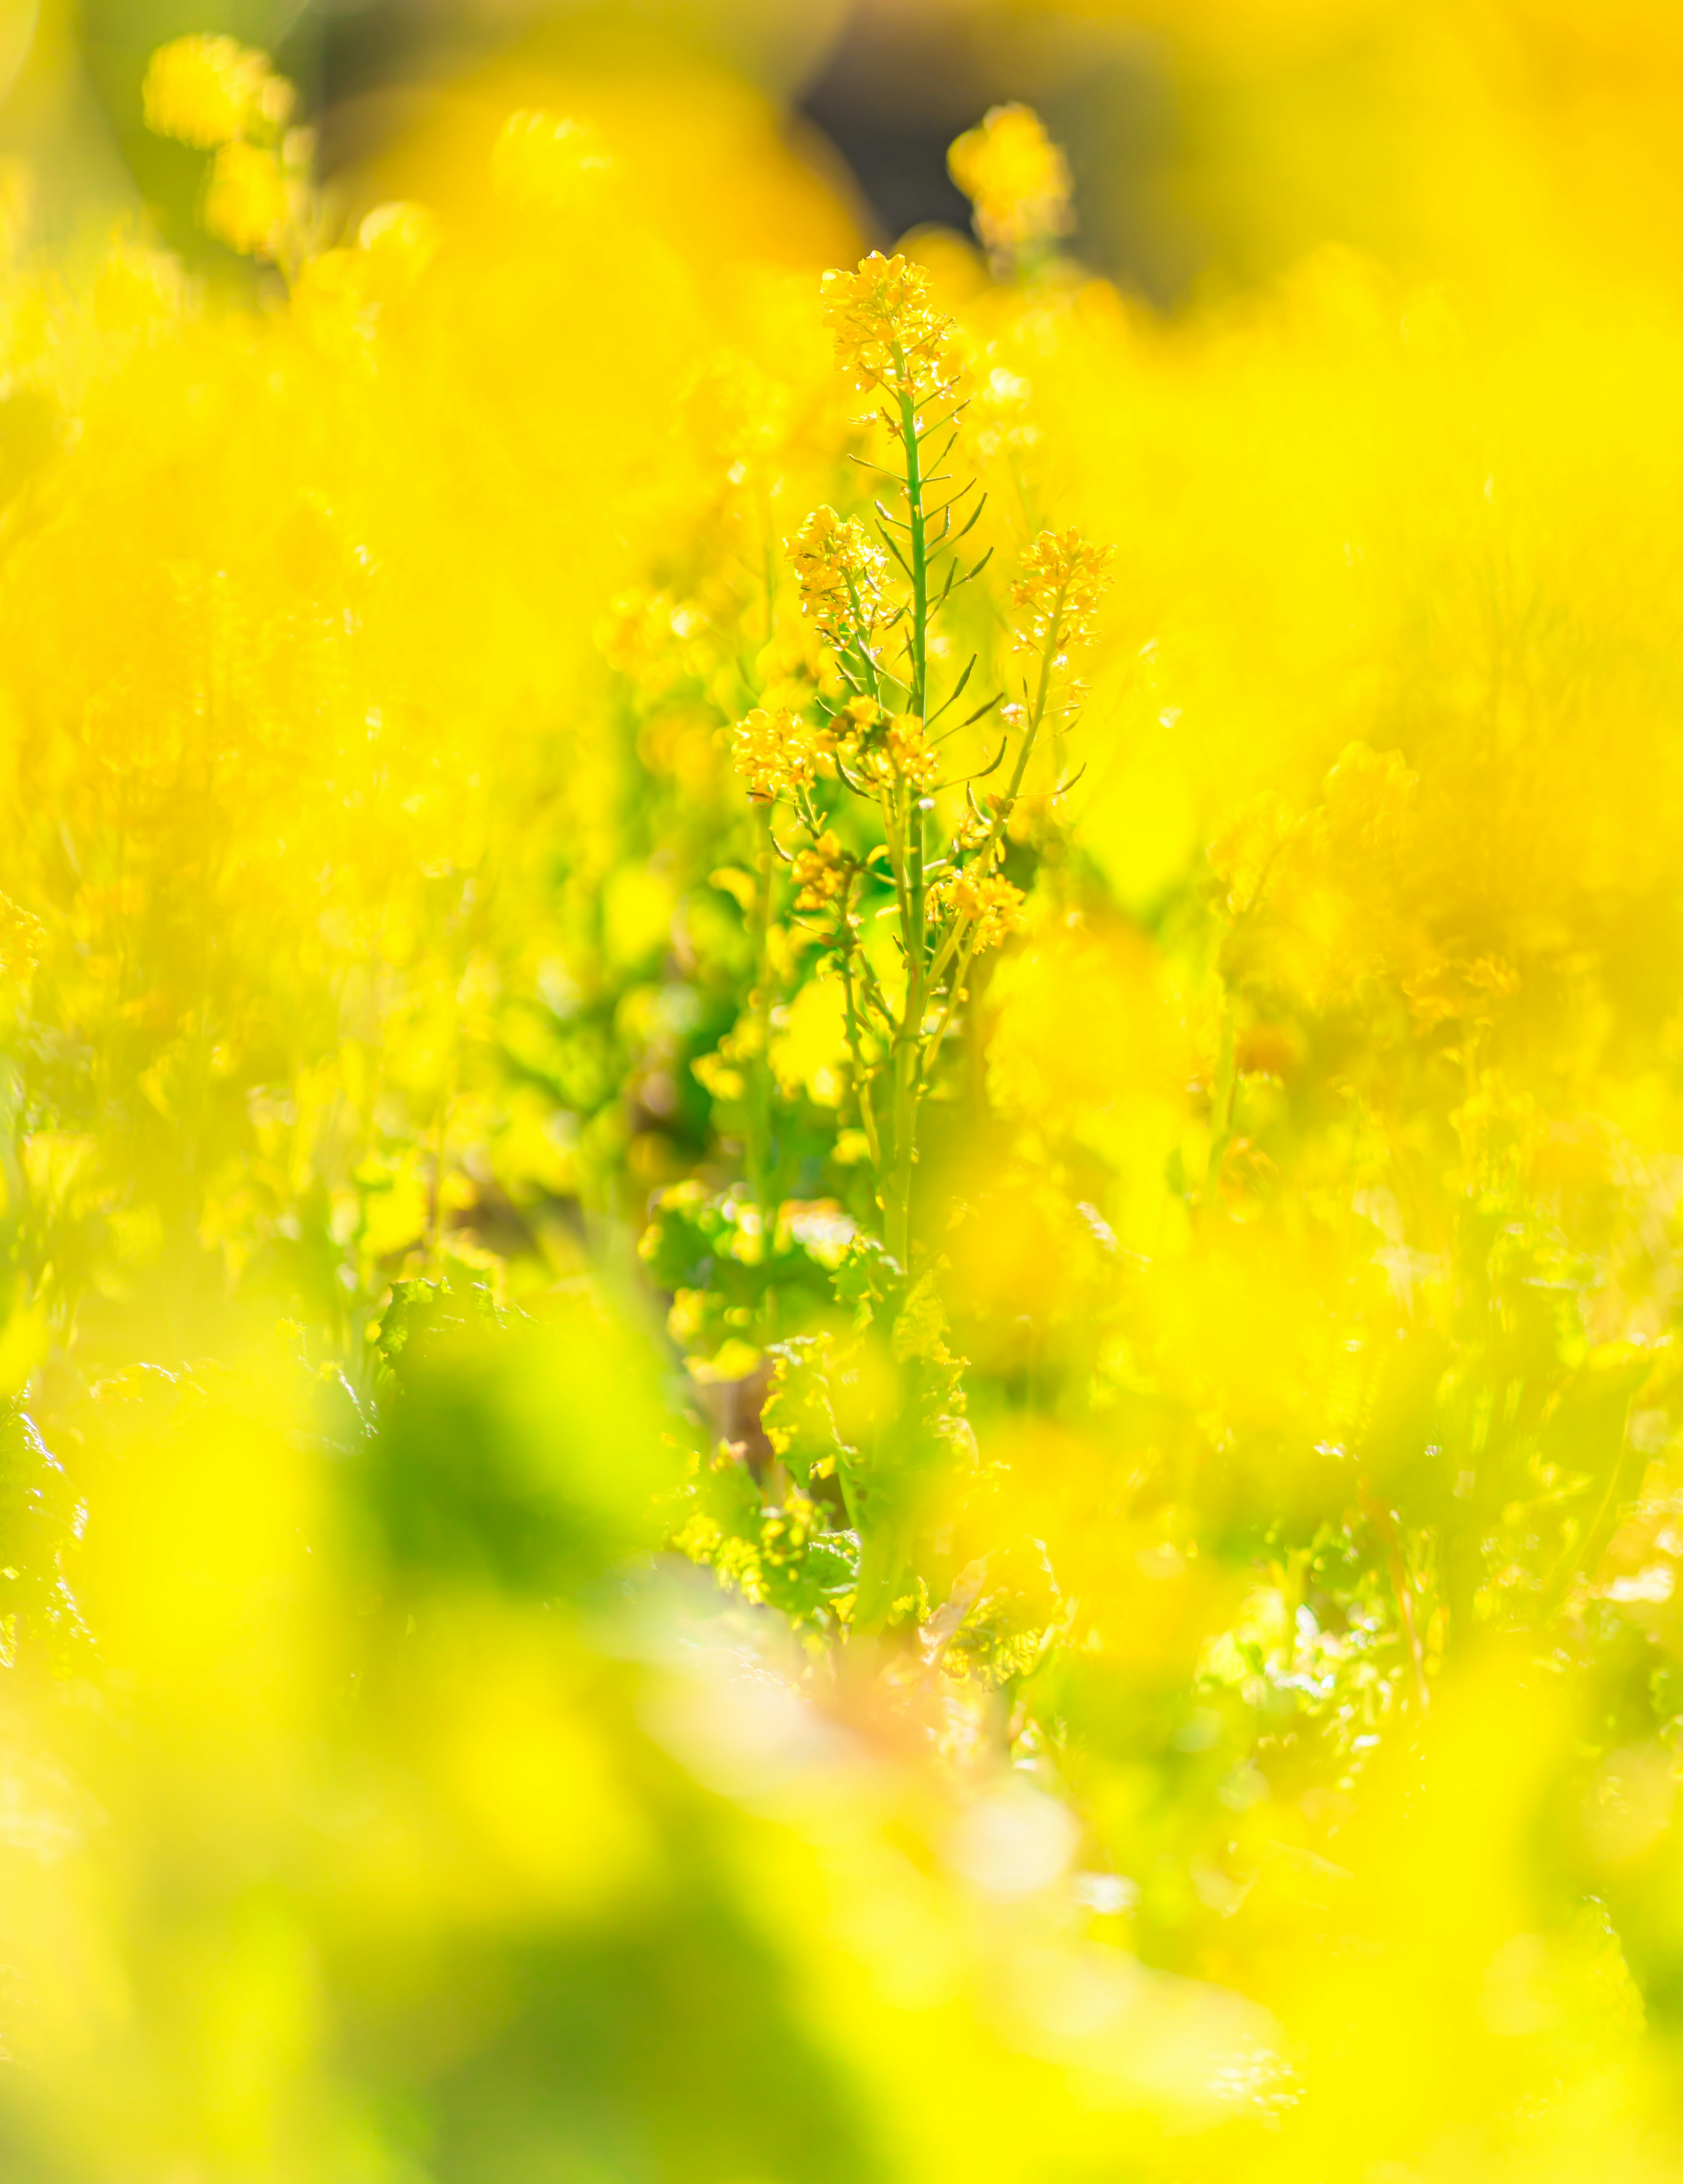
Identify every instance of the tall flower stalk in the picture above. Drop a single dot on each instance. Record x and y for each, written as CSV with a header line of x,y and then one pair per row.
x,y
877,590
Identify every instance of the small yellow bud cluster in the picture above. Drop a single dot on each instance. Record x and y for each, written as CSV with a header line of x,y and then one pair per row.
x,y
820,873
907,752
1058,592
546,163
217,95
248,203
1016,177
23,939
340,294
841,575
208,91
888,334
775,752
985,900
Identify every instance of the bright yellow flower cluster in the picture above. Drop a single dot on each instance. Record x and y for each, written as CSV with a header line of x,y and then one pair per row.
x,y
820,872
1059,586
841,575
1277,1351
987,905
1017,179
23,939
217,95
907,753
248,202
890,338
208,91
546,162
775,752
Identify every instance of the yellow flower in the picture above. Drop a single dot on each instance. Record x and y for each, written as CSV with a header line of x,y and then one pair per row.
x,y
888,334
399,240
1017,179
1057,593
820,873
775,752
840,574
207,91
547,162
985,900
248,203
909,754
23,938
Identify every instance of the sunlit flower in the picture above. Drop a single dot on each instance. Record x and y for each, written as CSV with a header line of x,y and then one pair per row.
x,y
906,747
209,91
400,240
889,336
23,939
819,873
1017,178
547,162
841,575
986,903
773,752
1060,583
248,202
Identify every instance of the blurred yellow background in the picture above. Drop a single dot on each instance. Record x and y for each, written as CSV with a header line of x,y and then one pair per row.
x,y
436,1739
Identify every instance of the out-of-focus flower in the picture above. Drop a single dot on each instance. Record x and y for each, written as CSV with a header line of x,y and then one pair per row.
x,y
819,873
1062,579
400,240
208,91
987,905
773,752
248,202
1017,178
547,162
905,747
23,938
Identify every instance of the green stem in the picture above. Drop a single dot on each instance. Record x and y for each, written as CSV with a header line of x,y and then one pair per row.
x,y
759,1102
933,1049
862,1090
1221,1104
908,1038
1008,803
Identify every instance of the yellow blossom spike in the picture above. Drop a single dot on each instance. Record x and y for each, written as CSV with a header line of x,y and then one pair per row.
x,y
208,91
888,334
546,162
841,575
986,903
819,873
248,203
1058,588
907,752
1017,178
23,939
775,752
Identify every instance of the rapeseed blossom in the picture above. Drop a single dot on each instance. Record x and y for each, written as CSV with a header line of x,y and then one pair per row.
x,y
961,1422
775,752
1057,591
1017,179
818,872
905,751
213,91
890,338
841,575
547,162
986,902
248,202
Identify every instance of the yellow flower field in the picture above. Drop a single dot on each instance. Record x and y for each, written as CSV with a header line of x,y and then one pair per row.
x,y
842,1132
